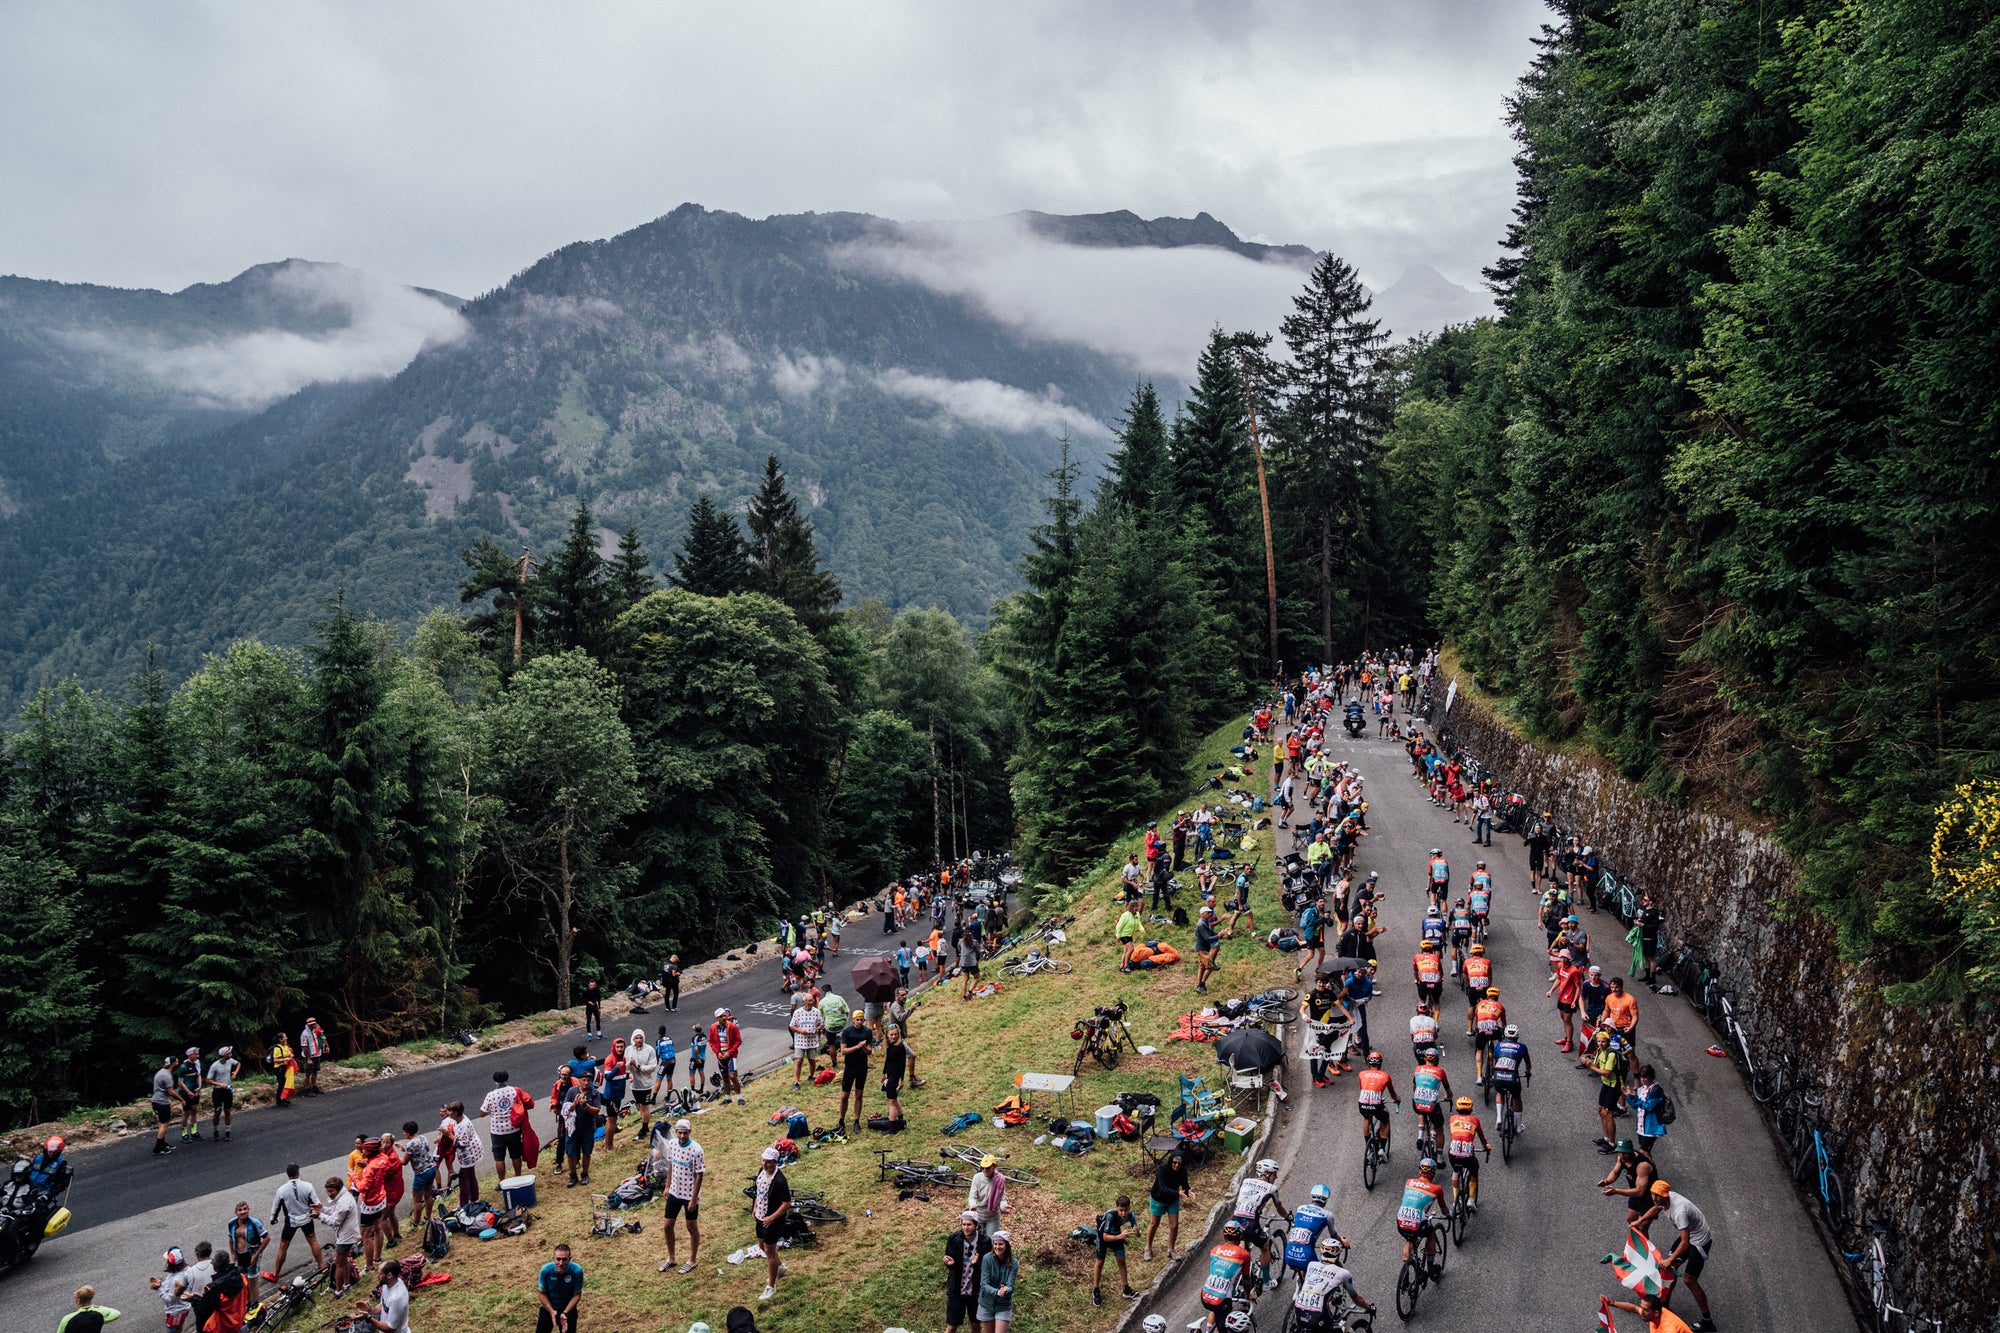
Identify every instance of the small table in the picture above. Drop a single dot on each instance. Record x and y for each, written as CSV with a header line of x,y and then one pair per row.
x,y
1062,1087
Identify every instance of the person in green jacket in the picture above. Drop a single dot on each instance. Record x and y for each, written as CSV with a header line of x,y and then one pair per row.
x,y
1129,927
89,1316
997,1272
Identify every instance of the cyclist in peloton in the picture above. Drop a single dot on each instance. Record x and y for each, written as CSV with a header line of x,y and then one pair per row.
x,y
1467,1136
1422,1196
1440,878
1511,1071
1227,1265
1479,897
1375,1086
1326,1282
1478,976
1423,1031
1430,1089
1489,1017
1461,934
1428,969
1252,1196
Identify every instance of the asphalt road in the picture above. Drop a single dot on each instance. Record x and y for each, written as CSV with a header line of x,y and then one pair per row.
x,y
130,1205
1530,1259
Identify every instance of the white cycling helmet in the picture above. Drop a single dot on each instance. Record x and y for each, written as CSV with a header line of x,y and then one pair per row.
x,y
1238,1322
1330,1247
1513,1030
1155,1323
1267,1167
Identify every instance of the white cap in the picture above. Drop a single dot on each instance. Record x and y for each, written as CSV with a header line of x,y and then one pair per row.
x,y
770,1154
683,1124
721,1013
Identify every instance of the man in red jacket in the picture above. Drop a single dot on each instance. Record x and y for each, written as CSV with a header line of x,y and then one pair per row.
x,y
726,1039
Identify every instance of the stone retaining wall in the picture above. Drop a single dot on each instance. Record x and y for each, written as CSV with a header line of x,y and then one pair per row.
x,y
1911,1096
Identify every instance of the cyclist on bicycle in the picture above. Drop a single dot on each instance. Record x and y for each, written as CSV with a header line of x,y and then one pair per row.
x,y
1430,1088
1423,1201
1440,878
1478,974
1252,1196
1428,969
1326,1282
1227,1265
1433,926
1313,1220
1375,1085
1489,1018
1423,1031
1467,1136
1479,898
1461,933
1511,1071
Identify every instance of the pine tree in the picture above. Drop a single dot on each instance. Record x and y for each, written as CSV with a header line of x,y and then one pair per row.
x,y
49,996
129,860
1215,476
1138,478
713,560
491,571
575,601
629,576
784,563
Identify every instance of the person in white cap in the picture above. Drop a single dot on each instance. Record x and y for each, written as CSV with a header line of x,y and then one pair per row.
x,y
221,1080
771,1201
686,1168
963,1249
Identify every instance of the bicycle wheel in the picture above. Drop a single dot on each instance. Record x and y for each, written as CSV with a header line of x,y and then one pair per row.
x,y
1076,1070
1461,1216
1408,1284
814,1211
1107,1055
1020,1177
1444,1245
1060,968
1371,1164
1282,994
1507,1142
1833,1202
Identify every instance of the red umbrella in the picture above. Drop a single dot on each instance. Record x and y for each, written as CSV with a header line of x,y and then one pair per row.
x,y
875,979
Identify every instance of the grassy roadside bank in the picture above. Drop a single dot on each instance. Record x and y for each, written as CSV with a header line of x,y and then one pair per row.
x,y
882,1267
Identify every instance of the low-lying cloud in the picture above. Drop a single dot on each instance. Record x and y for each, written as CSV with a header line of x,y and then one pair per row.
x,y
994,405
1150,308
386,326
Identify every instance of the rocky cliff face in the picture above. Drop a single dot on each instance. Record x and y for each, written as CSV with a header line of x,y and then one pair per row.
x,y
1911,1097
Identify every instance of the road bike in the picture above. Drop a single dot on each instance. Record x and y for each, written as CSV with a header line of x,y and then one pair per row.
x,y
1873,1264
1103,1037
972,1156
1275,1007
287,1301
1814,1162
1508,1132
1767,1077
915,1172
1417,1274
1461,1199
1374,1152
1035,962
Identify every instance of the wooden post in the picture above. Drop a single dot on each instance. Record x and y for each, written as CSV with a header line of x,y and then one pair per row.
x,y
1264,499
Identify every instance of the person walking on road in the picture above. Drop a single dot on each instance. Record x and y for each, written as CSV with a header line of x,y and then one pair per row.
x,y
558,1293
686,1167
670,983
296,1206
1689,1254
593,1012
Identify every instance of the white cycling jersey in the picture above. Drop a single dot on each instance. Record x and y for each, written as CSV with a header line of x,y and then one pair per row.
x,y
1320,1281
1251,1196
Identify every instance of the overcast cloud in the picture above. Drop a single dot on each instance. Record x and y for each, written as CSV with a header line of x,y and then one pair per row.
x,y
451,145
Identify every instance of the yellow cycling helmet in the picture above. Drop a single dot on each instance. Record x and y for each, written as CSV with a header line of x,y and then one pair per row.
x,y
1465,1103
1478,949
1492,992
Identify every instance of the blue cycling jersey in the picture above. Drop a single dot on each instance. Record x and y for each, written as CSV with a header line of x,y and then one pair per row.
x,y
1508,1056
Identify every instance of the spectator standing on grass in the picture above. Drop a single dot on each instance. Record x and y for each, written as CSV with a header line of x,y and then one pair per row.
x,y
968,964
1128,930
1114,1227
559,1292
895,1064
1207,948
392,1178
963,1250
422,1157
987,1196
686,1167
997,1274
854,1043
245,1238
643,1059
502,1109
899,1019
771,1200
1170,1190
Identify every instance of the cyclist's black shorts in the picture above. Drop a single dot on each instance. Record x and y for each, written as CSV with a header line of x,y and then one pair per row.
x,y
1512,1085
1470,1162
1429,992
1380,1113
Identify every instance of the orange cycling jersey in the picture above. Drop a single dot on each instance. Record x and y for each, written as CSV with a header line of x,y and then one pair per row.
x,y
1477,973
1490,1016
1428,971
1373,1083
1463,1129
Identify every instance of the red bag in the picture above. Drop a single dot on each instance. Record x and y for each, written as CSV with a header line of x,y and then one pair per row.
x,y
1124,1126
822,1078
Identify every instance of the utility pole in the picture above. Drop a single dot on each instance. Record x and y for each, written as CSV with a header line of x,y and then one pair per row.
x,y
527,564
1264,499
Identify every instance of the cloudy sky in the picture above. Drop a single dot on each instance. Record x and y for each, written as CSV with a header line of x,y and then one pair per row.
x,y
450,145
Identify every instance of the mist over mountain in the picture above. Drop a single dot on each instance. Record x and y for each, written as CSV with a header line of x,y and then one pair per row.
x,y
183,469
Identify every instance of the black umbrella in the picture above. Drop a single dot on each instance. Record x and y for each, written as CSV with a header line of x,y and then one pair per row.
x,y
875,979
1338,965
1248,1049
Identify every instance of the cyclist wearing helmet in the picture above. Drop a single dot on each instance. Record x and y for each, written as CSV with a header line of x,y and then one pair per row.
x,y
1422,1197
1376,1085
1427,967
1226,1265
1325,1287
1313,1219
1423,1031
1478,974
1440,877
1479,897
1511,1070
1433,925
1155,1323
1461,933
1489,1017
1430,1089
1465,1137
1252,1196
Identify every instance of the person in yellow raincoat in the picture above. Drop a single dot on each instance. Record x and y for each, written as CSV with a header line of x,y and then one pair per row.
x,y
286,1066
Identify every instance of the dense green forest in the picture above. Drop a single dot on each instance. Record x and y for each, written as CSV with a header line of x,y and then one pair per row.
x,y
1716,493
